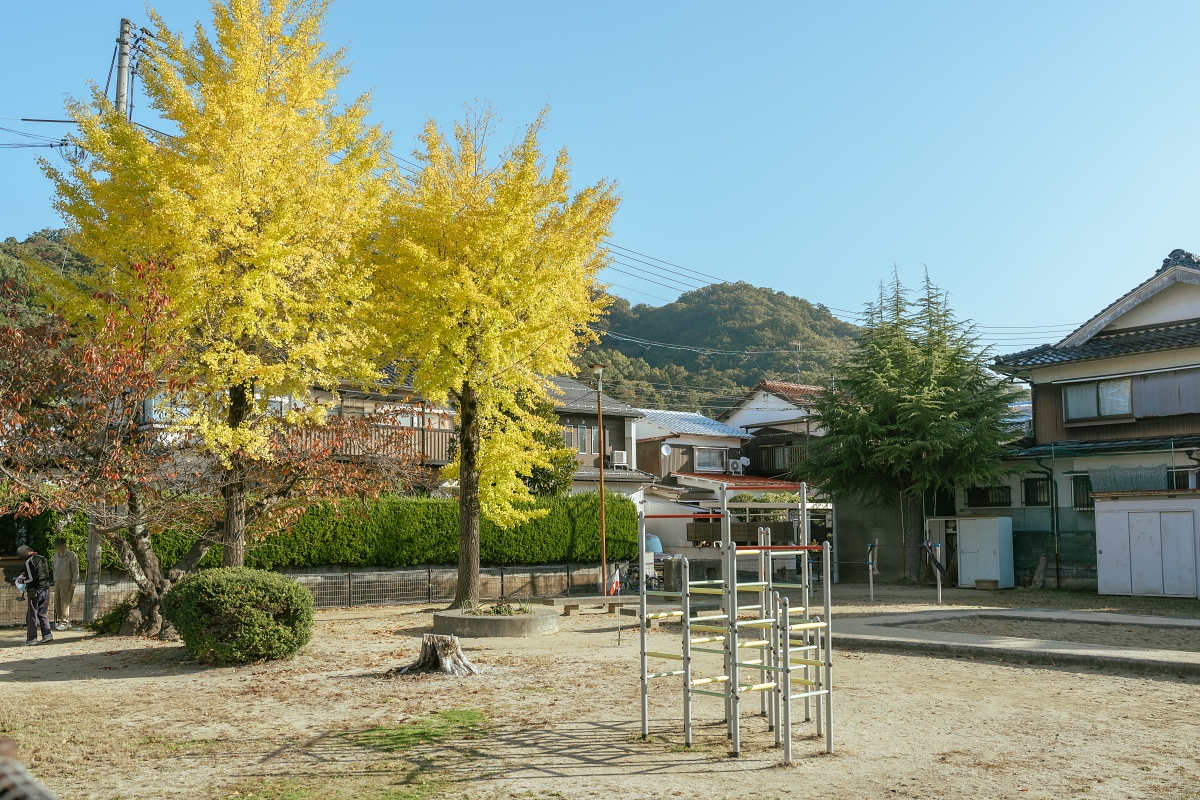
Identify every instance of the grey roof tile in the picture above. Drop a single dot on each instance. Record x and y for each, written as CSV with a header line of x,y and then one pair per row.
x,y
689,422
1146,339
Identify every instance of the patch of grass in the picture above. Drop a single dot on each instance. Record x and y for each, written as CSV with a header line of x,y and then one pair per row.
x,y
179,745
429,729
294,790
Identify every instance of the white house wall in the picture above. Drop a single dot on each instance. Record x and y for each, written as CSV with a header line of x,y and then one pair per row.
x,y
1178,301
764,407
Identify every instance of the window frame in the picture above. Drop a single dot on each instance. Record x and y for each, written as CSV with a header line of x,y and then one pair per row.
x,y
1026,484
998,496
1081,493
724,451
581,445
1095,387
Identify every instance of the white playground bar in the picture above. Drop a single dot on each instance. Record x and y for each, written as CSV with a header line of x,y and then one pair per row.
x,y
793,647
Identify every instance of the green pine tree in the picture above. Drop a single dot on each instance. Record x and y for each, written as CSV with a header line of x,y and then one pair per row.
x,y
913,409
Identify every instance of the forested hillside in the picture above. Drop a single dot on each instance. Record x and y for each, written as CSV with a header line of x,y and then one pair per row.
x,y
722,339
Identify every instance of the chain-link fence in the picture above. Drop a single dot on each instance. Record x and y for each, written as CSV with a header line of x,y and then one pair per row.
x,y
377,588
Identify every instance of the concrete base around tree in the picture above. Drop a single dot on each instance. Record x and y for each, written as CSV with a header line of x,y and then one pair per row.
x,y
478,626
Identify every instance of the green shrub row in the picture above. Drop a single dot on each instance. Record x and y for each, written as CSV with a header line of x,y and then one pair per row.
x,y
405,531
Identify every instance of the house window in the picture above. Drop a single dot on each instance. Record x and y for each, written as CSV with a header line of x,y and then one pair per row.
x,y
989,496
595,441
568,436
1098,399
1081,486
583,439
1178,479
710,459
1037,491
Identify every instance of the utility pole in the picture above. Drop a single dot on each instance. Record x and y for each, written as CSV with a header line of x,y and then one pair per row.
x,y
598,370
123,44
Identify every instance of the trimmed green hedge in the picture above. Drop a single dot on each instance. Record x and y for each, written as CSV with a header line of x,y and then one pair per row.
x,y
237,615
404,531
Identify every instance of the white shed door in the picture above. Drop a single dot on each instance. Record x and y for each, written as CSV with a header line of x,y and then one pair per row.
x,y
1178,553
968,552
1145,552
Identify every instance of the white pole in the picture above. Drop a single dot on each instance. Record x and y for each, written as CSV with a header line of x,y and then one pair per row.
x,y
642,632
806,636
686,598
786,694
828,656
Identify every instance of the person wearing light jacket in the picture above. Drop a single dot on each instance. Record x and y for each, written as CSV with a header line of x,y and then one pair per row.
x,y
66,575
37,582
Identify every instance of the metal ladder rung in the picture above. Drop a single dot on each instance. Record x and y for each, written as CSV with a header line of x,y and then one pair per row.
x,y
756,687
806,694
672,656
665,674
713,679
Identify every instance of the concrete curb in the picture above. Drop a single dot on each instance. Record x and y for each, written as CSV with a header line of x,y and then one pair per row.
x,y
1014,654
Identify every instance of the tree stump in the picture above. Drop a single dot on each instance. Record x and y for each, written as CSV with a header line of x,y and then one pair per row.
x,y
438,654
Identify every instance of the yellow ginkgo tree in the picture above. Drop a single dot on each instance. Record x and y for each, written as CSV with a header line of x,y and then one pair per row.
x,y
263,199
491,283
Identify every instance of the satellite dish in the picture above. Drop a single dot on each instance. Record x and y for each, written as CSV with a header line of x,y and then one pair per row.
x,y
744,461
665,449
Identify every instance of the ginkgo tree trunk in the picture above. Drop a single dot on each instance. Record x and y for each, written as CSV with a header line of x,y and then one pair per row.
x,y
491,279
262,193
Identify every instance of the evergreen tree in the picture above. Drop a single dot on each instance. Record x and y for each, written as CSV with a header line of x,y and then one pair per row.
x,y
913,408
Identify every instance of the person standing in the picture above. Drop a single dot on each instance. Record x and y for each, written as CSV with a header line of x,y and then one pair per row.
x,y
37,590
66,575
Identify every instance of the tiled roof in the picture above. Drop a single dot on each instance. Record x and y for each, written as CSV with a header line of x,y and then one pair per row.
x,y
1146,339
795,392
691,423
568,394
613,475
1074,448
743,481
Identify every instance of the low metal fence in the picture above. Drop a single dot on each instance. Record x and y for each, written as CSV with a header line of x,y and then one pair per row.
x,y
377,588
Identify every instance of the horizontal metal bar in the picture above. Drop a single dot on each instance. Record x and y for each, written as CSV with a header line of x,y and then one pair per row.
x,y
807,626
709,628
658,593
703,639
711,679
757,623
759,665
790,585
673,656
808,661
705,583
755,643
752,586
665,674
756,687
664,614
714,694
682,516
807,694
708,650
755,607
703,590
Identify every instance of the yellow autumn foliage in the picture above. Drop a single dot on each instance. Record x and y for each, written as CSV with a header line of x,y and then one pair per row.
x,y
263,201
489,279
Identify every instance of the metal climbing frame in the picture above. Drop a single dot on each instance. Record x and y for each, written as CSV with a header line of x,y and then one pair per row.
x,y
786,640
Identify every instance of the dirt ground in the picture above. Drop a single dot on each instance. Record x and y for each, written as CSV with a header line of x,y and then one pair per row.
x,y
1160,638
557,716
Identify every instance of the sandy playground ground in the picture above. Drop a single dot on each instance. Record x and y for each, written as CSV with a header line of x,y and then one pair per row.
x,y
557,716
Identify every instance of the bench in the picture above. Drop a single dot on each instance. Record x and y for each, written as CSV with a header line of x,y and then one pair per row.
x,y
572,604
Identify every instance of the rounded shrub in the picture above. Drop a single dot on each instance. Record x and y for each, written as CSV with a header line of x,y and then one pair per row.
x,y
233,615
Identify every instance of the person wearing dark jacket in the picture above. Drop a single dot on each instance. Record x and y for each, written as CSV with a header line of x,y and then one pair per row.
x,y
37,585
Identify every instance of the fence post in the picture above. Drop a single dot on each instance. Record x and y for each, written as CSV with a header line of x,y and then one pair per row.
x,y
502,594
350,589
568,580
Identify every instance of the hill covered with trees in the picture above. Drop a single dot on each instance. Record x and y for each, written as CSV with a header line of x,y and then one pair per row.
x,y
713,343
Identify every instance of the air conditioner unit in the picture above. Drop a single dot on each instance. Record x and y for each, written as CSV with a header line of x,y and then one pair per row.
x,y
620,458
735,467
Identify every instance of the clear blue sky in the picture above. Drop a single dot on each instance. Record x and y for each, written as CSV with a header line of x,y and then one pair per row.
x,y
1040,159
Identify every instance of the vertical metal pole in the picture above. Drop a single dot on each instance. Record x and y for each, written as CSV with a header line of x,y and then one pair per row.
x,y
828,656
603,542
776,726
727,608
871,569
124,40
937,548
786,694
763,571
350,589
642,631
837,550
806,636
686,597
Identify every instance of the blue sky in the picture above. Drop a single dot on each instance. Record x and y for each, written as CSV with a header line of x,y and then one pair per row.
x,y
1038,158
